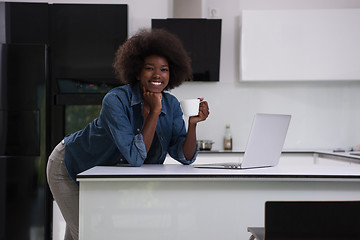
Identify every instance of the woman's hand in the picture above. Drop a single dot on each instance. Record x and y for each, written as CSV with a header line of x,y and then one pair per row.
x,y
203,113
153,100
189,146
151,110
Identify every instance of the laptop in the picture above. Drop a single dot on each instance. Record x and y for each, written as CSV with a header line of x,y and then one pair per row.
x,y
265,143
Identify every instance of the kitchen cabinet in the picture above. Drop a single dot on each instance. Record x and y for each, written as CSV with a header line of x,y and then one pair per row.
x,y
41,44
298,45
23,112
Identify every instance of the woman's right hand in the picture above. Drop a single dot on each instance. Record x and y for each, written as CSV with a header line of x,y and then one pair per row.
x,y
153,100
152,107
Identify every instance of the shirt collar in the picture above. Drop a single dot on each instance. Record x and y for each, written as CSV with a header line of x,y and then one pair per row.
x,y
137,98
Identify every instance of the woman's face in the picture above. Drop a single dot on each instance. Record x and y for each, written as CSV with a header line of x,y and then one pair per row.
x,y
154,76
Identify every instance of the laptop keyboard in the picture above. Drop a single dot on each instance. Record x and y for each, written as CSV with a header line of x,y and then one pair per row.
x,y
232,165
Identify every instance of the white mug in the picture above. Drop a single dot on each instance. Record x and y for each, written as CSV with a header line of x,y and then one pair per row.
x,y
190,107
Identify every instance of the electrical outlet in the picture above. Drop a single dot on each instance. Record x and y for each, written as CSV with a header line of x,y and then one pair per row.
x,y
213,12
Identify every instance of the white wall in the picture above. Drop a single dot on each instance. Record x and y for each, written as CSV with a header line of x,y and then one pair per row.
x,y
325,114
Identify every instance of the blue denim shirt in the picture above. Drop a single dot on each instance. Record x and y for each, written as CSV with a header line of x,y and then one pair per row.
x,y
115,136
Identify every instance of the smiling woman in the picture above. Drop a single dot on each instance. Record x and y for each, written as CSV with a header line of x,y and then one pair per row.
x,y
139,123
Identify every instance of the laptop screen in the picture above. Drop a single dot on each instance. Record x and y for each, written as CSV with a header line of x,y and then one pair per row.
x,y
266,140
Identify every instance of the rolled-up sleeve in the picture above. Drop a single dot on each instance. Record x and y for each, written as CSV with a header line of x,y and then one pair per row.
x,y
182,159
139,142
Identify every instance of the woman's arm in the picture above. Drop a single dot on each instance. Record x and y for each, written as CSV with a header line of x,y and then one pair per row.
x,y
189,146
151,109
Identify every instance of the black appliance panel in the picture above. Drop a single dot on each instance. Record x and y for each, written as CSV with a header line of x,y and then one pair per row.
x,y
22,98
84,39
22,142
22,198
202,39
26,23
20,132
25,75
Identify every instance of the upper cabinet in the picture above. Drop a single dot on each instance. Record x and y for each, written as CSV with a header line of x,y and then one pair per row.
x,y
292,45
23,23
84,39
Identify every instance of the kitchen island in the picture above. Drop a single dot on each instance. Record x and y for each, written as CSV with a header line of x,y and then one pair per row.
x,y
173,201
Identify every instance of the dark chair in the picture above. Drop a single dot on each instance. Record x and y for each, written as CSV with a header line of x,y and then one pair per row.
x,y
309,220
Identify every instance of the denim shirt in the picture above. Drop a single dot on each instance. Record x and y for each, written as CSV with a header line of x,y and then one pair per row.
x,y
115,136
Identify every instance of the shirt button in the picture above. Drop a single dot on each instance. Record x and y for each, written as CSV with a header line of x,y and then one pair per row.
x,y
138,130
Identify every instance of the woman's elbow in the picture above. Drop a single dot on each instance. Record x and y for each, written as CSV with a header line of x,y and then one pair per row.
x,y
136,164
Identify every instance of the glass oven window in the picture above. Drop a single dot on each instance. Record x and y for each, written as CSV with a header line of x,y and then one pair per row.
x,y
78,116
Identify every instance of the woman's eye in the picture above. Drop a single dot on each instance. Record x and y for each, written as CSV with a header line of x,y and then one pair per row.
x,y
164,70
149,68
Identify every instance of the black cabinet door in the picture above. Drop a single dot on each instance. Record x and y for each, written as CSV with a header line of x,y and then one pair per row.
x,y
22,105
84,38
25,22
23,142
22,198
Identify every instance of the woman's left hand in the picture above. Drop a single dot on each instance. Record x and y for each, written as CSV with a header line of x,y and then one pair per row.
x,y
203,112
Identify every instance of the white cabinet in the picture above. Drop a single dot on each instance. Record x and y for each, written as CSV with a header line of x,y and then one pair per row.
x,y
306,44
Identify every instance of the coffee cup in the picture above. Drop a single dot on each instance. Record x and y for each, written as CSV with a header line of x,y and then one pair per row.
x,y
190,107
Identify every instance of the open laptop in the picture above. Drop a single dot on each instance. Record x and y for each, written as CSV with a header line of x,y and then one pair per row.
x,y
264,145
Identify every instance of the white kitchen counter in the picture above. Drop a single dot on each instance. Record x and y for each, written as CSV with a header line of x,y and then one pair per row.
x,y
182,202
181,172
